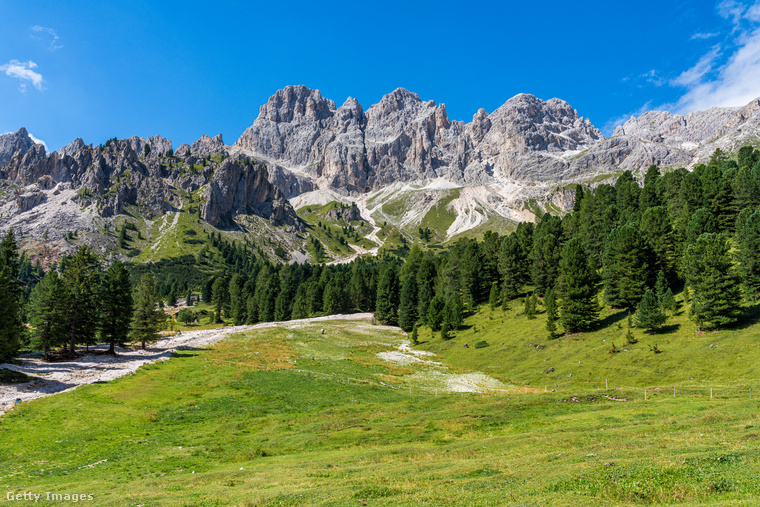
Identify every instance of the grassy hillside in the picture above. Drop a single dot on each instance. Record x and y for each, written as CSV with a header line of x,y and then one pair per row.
x,y
520,351
290,416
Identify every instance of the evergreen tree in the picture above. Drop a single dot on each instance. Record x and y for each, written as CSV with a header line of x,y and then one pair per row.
x,y
219,294
749,256
407,310
453,313
207,291
445,330
435,315
147,317
668,301
47,314
12,328
648,314
115,306
423,301
550,302
511,265
80,280
577,287
649,196
386,307
711,275
657,236
625,267
189,298
414,336
660,287
493,297
544,261
529,307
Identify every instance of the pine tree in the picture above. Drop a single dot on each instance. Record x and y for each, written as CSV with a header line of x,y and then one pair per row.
x,y
453,313
115,306
445,330
511,266
47,314
189,298
711,275
577,287
648,314
493,297
407,310
529,307
550,301
749,256
386,307
12,328
660,287
80,279
423,301
668,301
435,315
625,267
147,317
414,336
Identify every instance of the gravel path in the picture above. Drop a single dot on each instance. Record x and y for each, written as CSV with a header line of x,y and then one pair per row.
x,y
57,377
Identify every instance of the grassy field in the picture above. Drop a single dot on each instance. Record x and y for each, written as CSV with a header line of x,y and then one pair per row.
x,y
290,416
519,351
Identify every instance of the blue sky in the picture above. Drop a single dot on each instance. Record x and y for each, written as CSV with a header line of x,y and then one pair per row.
x,y
182,69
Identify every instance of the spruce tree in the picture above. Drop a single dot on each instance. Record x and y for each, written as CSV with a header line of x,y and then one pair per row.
x,y
147,317
711,275
749,256
493,296
115,306
550,301
453,313
660,287
529,308
577,288
47,314
407,310
512,266
424,297
435,315
12,326
625,267
648,314
386,307
414,337
445,330
668,301
80,278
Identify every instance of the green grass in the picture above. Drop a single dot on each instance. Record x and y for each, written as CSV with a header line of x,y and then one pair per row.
x,y
521,353
439,218
255,431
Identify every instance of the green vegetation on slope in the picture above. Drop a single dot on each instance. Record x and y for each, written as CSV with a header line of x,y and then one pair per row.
x,y
238,425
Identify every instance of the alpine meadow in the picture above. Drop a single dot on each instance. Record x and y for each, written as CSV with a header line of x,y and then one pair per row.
x,y
378,304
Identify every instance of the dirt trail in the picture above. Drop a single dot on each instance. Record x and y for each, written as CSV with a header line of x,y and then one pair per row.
x,y
52,378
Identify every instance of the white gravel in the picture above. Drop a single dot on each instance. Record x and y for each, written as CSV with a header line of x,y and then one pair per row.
x,y
57,377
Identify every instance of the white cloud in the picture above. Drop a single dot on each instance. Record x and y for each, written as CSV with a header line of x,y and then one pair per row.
x,y
698,71
54,44
737,80
37,141
700,36
23,72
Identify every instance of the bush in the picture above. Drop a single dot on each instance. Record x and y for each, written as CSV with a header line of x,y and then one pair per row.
x,y
481,344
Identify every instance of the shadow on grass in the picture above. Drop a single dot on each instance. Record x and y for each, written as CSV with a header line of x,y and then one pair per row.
x,y
611,319
663,330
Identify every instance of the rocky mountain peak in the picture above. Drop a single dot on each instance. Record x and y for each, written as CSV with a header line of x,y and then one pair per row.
x,y
207,145
12,142
295,103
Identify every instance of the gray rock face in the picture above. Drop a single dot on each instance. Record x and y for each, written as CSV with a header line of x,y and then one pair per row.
x,y
12,142
238,188
403,138
206,146
120,174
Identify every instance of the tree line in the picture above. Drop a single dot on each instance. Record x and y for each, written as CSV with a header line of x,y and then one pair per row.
x,y
627,245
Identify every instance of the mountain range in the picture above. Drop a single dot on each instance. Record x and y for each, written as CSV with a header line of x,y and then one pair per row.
x,y
402,161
